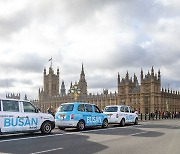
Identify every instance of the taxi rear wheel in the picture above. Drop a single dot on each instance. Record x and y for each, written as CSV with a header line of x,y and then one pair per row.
x,y
105,123
46,127
122,123
81,125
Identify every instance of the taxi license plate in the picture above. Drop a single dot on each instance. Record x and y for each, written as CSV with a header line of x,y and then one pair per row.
x,y
109,116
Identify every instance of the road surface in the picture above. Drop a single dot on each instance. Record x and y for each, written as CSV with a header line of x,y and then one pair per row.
x,y
151,137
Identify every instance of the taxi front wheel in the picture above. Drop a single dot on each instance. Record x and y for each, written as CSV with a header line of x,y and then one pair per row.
x,y
46,127
105,123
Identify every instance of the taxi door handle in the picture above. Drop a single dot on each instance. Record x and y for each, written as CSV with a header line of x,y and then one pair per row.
x,y
23,117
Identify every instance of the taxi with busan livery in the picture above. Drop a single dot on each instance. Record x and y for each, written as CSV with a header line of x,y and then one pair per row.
x,y
79,115
120,114
23,116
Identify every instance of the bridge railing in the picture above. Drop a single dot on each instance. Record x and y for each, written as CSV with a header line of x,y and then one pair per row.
x,y
156,116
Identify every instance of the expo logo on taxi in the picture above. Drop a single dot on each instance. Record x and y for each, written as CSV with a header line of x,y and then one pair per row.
x,y
13,122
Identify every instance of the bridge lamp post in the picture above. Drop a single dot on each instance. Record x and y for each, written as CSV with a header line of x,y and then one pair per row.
x,y
75,91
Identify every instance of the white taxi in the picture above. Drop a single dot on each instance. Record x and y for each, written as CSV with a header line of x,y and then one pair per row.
x,y
120,114
23,116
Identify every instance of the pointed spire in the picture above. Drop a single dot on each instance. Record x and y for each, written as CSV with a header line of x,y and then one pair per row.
x,y
152,71
141,74
58,71
63,85
71,85
118,78
63,89
82,71
159,75
82,67
25,97
135,77
127,75
82,75
44,71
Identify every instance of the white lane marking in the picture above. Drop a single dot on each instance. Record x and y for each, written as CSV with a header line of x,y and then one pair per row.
x,y
47,151
137,134
112,129
30,138
174,126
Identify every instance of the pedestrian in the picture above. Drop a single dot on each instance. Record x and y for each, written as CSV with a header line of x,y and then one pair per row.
x,y
136,112
51,111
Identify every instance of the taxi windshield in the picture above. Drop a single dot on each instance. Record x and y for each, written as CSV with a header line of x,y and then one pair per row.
x,y
66,107
111,109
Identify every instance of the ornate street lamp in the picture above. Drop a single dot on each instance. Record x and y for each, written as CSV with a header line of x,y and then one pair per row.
x,y
75,91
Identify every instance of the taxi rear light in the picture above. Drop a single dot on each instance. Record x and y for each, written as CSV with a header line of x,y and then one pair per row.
x,y
117,115
72,116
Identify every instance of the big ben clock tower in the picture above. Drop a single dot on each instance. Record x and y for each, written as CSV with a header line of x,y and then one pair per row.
x,y
82,84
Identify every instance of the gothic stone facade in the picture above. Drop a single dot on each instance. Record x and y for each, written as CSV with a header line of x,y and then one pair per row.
x,y
146,97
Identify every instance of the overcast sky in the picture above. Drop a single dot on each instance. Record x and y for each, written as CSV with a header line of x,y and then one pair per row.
x,y
107,36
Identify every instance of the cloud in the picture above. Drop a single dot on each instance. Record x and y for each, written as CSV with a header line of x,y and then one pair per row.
x,y
13,23
11,82
23,62
106,36
5,83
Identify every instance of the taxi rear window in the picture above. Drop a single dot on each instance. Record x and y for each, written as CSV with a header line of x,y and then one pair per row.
x,y
111,109
66,108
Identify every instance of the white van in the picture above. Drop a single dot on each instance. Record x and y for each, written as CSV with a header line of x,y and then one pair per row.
x,y
120,114
23,116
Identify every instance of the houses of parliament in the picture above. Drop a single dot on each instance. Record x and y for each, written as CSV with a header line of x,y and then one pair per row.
x,y
146,96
